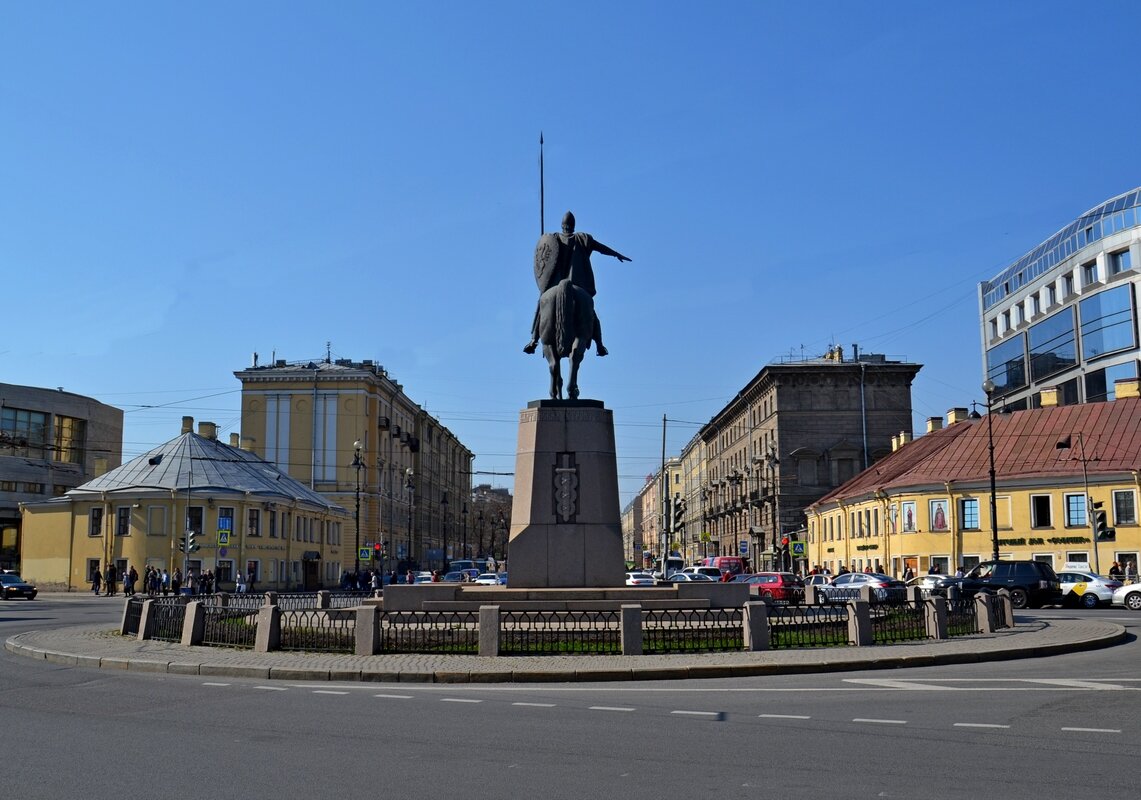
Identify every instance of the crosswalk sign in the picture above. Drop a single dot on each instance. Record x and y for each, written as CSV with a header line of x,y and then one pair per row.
x,y
797,549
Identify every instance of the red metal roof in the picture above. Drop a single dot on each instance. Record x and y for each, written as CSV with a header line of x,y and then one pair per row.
x,y
1025,446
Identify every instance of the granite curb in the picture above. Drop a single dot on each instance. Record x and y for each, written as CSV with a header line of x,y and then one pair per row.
x,y
100,647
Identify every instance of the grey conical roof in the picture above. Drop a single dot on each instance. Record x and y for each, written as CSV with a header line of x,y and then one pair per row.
x,y
203,465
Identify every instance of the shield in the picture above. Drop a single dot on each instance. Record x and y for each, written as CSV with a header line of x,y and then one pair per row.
x,y
548,257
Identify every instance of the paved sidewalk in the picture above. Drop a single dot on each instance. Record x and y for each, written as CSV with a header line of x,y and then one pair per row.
x,y
99,647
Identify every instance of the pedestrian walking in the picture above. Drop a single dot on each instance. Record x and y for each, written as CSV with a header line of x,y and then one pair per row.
x,y
96,581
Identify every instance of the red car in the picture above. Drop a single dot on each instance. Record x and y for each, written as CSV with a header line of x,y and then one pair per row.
x,y
783,586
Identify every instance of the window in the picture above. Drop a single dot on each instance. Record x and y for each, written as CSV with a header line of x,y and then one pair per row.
x,y
1006,364
1067,285
1006,321
226,523
194,519
70,435
1019,314
994,328
1100,384
1053,345
1035,305
1119,262
1107,322
272,519
123,521
156,521
806,471
1051,296
1124,507
969,514
95,522
1075,511
24,431
1089,273
1040,516
253,522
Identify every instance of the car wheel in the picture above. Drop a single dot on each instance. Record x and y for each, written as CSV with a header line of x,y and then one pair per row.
x,y
1019,598
1089,600
1133,601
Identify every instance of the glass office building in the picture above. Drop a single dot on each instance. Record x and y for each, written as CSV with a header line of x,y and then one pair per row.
x,y
1065,314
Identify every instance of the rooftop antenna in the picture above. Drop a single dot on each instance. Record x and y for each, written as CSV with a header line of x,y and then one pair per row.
x,y
328,352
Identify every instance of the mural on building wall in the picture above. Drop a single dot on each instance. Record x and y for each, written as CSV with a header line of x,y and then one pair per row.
x,y
893,518
908,511
938,509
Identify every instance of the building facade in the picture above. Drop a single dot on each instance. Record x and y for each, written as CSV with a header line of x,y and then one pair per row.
x,y
411,476
51,441
797,430
927,505
248,515
1064,315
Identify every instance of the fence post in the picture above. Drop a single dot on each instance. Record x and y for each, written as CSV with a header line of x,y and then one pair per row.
x,y
268,636
811,597
935,617
224,599
368,631
270,598
194,623
146,621
914,595
123,626
984,613
860,621
1005,612
866,595
489,630
323,598
757,631
630,624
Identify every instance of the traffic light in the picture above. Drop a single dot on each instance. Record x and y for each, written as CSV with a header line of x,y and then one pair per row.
x,y
678,514
182,545
784,559
1101,525
377,550
192,543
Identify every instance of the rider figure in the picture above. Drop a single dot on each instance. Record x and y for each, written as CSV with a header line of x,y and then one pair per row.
x,y
577,248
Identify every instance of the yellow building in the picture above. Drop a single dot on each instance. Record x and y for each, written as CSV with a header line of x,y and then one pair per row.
x,y
247,515
928,503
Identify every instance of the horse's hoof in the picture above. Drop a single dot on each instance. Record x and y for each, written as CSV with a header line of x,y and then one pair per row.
x,y
602,351
530,348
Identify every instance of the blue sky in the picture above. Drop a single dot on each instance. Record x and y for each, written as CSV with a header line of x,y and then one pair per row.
x,y
184,184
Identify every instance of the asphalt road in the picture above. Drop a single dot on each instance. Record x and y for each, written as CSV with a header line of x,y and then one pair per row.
x,y
1018,729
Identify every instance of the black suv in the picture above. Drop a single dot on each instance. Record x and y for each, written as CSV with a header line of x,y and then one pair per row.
x,y
1031,583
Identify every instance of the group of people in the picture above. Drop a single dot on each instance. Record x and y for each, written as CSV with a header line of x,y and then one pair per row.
x,y
1123,572
154,581
366,580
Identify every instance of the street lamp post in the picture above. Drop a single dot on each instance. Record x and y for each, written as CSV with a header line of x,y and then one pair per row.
x,y
479,522
409,487
1065,444
444,529
357,464
989,387
463,548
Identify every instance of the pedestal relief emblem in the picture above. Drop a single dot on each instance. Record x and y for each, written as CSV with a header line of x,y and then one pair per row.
x,y
566,488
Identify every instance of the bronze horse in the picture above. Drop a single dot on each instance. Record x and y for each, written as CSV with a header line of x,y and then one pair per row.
x,y
566,324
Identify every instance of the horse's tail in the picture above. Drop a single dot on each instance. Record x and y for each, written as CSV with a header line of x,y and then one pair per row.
x,y
564,318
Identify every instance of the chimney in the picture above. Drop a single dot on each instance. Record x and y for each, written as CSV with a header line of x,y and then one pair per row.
x,y
248,444
1126,387
208,430
187,424
956,415
855,352
904,438
894,443
1049,397
235,440
934,424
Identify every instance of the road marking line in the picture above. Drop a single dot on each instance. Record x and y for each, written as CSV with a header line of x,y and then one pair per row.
x,y
215,684
395,696
783,716
1075,684
882,721
889,683
459,700
1092,730
978,725
699,713
610,708
272,688
535,705
327,691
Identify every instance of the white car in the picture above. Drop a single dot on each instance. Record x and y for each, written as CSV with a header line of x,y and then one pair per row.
x,y
639,579
1128,596
1087,588
487,579
713,573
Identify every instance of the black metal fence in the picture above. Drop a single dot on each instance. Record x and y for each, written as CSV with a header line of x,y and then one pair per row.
x,y
455,632
348,599
229,626
962,619
560,632
808,626
133,616
898,621
167,617
329,631
692,630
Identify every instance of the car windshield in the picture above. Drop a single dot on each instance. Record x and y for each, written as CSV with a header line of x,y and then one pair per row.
x,y
11,579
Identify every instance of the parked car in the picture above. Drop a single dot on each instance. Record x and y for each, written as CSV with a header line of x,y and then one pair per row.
x,y
423,577
817,580
640,579
689,577
487,579
847,586
713,573
1128,596
1087,589
783,586
457,576
12,585
1032,584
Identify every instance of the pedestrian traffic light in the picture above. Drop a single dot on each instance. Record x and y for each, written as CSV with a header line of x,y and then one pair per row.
x,y
377,549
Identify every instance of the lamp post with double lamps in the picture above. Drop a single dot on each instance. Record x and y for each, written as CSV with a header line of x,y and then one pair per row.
x,y
463,548
444,531
989,387
1065,444
410,487
357,465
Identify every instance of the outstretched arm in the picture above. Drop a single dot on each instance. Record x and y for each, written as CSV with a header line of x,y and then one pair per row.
x,y
599,247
